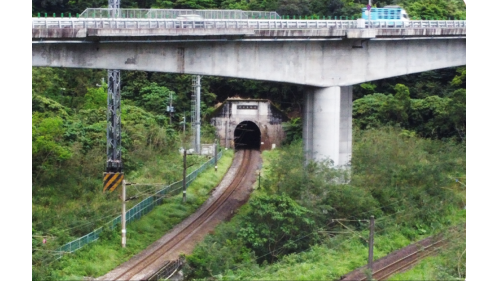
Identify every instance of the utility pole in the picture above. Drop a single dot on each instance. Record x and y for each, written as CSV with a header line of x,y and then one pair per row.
x,y
198,121
124,213
215,154
170,109
225,142
184,179
370,247
184,125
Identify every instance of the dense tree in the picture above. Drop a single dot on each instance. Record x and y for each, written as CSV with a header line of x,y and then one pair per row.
x,y
273,225
435,9
293,7
431,116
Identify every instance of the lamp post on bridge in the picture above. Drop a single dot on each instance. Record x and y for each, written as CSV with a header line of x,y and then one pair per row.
x,y
369,9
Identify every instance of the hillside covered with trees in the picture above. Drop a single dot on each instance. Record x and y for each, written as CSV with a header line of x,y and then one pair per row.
x,y
408,155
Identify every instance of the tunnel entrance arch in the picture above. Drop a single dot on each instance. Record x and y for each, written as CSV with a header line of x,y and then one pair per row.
x,y
247,135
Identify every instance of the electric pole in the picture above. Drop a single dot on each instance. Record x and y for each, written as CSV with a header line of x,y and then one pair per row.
x,y
198,120
184,179
225,142
370,247
124,213
215,154
195,113
170,109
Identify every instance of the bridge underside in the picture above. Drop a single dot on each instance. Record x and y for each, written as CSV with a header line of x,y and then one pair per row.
x,y
316,63
329,67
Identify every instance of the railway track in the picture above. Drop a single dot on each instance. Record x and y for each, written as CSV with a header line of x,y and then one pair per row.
x,y
142,264
406,262
398,261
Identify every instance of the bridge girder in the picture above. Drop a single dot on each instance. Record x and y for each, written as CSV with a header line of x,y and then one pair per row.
x,y
314,63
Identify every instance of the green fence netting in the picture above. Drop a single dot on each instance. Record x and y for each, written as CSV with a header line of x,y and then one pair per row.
x,y
139,210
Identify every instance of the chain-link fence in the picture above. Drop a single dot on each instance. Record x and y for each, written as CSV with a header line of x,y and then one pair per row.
x,y
139,210
174,13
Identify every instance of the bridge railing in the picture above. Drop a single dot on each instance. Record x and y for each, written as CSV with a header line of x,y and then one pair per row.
x,y
137,211
417,24
102,13
239,24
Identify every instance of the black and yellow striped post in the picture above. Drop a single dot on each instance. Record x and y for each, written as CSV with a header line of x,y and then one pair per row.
x,y
112,181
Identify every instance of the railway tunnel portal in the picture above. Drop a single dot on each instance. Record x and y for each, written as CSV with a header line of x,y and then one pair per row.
x,y
247,135
249,123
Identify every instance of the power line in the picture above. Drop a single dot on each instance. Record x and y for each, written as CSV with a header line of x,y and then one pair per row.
x,y
354,235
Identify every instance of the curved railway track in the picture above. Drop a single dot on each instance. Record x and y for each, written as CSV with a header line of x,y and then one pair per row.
x,y
143,263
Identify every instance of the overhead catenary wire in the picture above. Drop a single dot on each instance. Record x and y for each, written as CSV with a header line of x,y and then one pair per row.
x,y
91,222
95,220
354,235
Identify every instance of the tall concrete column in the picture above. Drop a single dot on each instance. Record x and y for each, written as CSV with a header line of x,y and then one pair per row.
x,y
327,125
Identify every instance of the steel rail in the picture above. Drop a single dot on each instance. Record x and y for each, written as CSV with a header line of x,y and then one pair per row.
x,y
396,266
195,224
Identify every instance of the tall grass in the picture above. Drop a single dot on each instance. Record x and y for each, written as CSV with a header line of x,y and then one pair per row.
x,y
106,253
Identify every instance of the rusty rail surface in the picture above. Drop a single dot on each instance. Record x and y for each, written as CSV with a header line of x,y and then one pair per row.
x,y
406,262
167,270
386,266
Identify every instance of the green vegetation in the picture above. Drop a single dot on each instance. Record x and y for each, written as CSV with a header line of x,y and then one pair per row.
x,y
69,155
448,264
431,113
421,9
408,164
105,254
408,183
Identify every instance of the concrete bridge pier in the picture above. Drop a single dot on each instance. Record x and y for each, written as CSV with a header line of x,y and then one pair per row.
x,y
327,125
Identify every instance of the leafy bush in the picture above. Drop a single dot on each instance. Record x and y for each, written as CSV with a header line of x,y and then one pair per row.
x,y
275,226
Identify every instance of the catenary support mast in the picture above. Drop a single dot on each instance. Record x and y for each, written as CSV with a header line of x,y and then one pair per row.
x,y
113,130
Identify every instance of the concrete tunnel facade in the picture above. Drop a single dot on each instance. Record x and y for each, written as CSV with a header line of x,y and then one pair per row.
x,y
249,123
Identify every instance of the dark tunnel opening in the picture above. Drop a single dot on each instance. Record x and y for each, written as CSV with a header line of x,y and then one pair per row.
x,y
247,136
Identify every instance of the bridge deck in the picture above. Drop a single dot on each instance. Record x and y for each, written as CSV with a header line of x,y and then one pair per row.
x,y
71,28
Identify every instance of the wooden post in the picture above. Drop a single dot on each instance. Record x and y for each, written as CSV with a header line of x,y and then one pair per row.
x,y
124,213
184,179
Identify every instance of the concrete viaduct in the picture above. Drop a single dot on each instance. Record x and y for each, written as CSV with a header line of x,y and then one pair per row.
x,y
328,56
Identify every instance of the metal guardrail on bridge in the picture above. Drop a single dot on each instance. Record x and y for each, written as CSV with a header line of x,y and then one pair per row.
x,y
41,23
173,13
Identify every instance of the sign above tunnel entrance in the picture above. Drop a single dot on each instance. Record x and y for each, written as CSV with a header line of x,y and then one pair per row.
x,y
247,107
